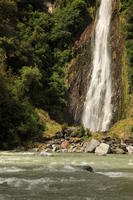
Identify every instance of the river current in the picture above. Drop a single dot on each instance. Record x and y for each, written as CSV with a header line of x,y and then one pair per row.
x,y
29,176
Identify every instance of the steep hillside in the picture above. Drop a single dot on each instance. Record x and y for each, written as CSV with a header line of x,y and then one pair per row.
x,y
46,64
80,70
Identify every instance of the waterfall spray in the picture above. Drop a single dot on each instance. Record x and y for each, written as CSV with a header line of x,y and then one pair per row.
x,y
97,107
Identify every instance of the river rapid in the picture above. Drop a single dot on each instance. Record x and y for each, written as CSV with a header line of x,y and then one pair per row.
x,y
29,176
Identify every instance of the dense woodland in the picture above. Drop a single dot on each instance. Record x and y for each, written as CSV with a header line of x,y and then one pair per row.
x,y
35,48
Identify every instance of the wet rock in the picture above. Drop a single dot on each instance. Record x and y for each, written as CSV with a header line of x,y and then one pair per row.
x,y
20,148
87,168
102,149
48,150
34,150
91,146
64,150
64,145
44,153
130,149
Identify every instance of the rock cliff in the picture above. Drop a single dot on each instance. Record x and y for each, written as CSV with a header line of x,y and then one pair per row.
x,y
80,70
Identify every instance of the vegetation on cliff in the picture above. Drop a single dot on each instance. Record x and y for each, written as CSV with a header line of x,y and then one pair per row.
x,y
127,30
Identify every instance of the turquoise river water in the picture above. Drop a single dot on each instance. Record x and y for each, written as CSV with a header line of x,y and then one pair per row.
x,y
29,176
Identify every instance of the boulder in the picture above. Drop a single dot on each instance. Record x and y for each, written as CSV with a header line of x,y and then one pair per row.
x,y
64,150
64,145
130,149
55,147
102,149
91,146
119,151
87,168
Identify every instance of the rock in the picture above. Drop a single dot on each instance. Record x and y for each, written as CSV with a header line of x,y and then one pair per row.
x,y
107,139
49,146
64,145
59,135
130,149
79,151
64,150
119,151
48,150
55,147
44,153
67,132
75,140
128,141
74,150
91,146
58,151
20,148
102,149
70,150
34,150
87,168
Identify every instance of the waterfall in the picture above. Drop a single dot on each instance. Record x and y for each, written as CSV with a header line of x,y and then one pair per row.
x,y
97,107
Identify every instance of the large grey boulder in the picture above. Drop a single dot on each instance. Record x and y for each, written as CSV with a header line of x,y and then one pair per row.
x,y
102,149
91,146
130,149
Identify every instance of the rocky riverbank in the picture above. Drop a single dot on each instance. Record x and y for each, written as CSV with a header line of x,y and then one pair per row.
x,y
73,139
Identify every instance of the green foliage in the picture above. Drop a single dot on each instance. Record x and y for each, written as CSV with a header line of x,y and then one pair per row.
x,y
67,22
79,132
127,14
18,121
8,17
88,132
64,127
28,84
35,47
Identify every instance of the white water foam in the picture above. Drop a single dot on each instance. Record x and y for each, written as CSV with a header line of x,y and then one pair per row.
x,y
116,174
10,169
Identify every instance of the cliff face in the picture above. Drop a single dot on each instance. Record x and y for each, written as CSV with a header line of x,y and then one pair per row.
x,y
80,70
118,66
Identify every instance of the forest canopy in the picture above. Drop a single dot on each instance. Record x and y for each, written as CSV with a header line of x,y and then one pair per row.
x,y
35,47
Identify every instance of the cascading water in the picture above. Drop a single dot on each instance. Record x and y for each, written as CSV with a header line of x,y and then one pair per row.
x,y
97,107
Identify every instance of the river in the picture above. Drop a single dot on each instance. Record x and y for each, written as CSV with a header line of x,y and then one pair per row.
x,y
29,176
